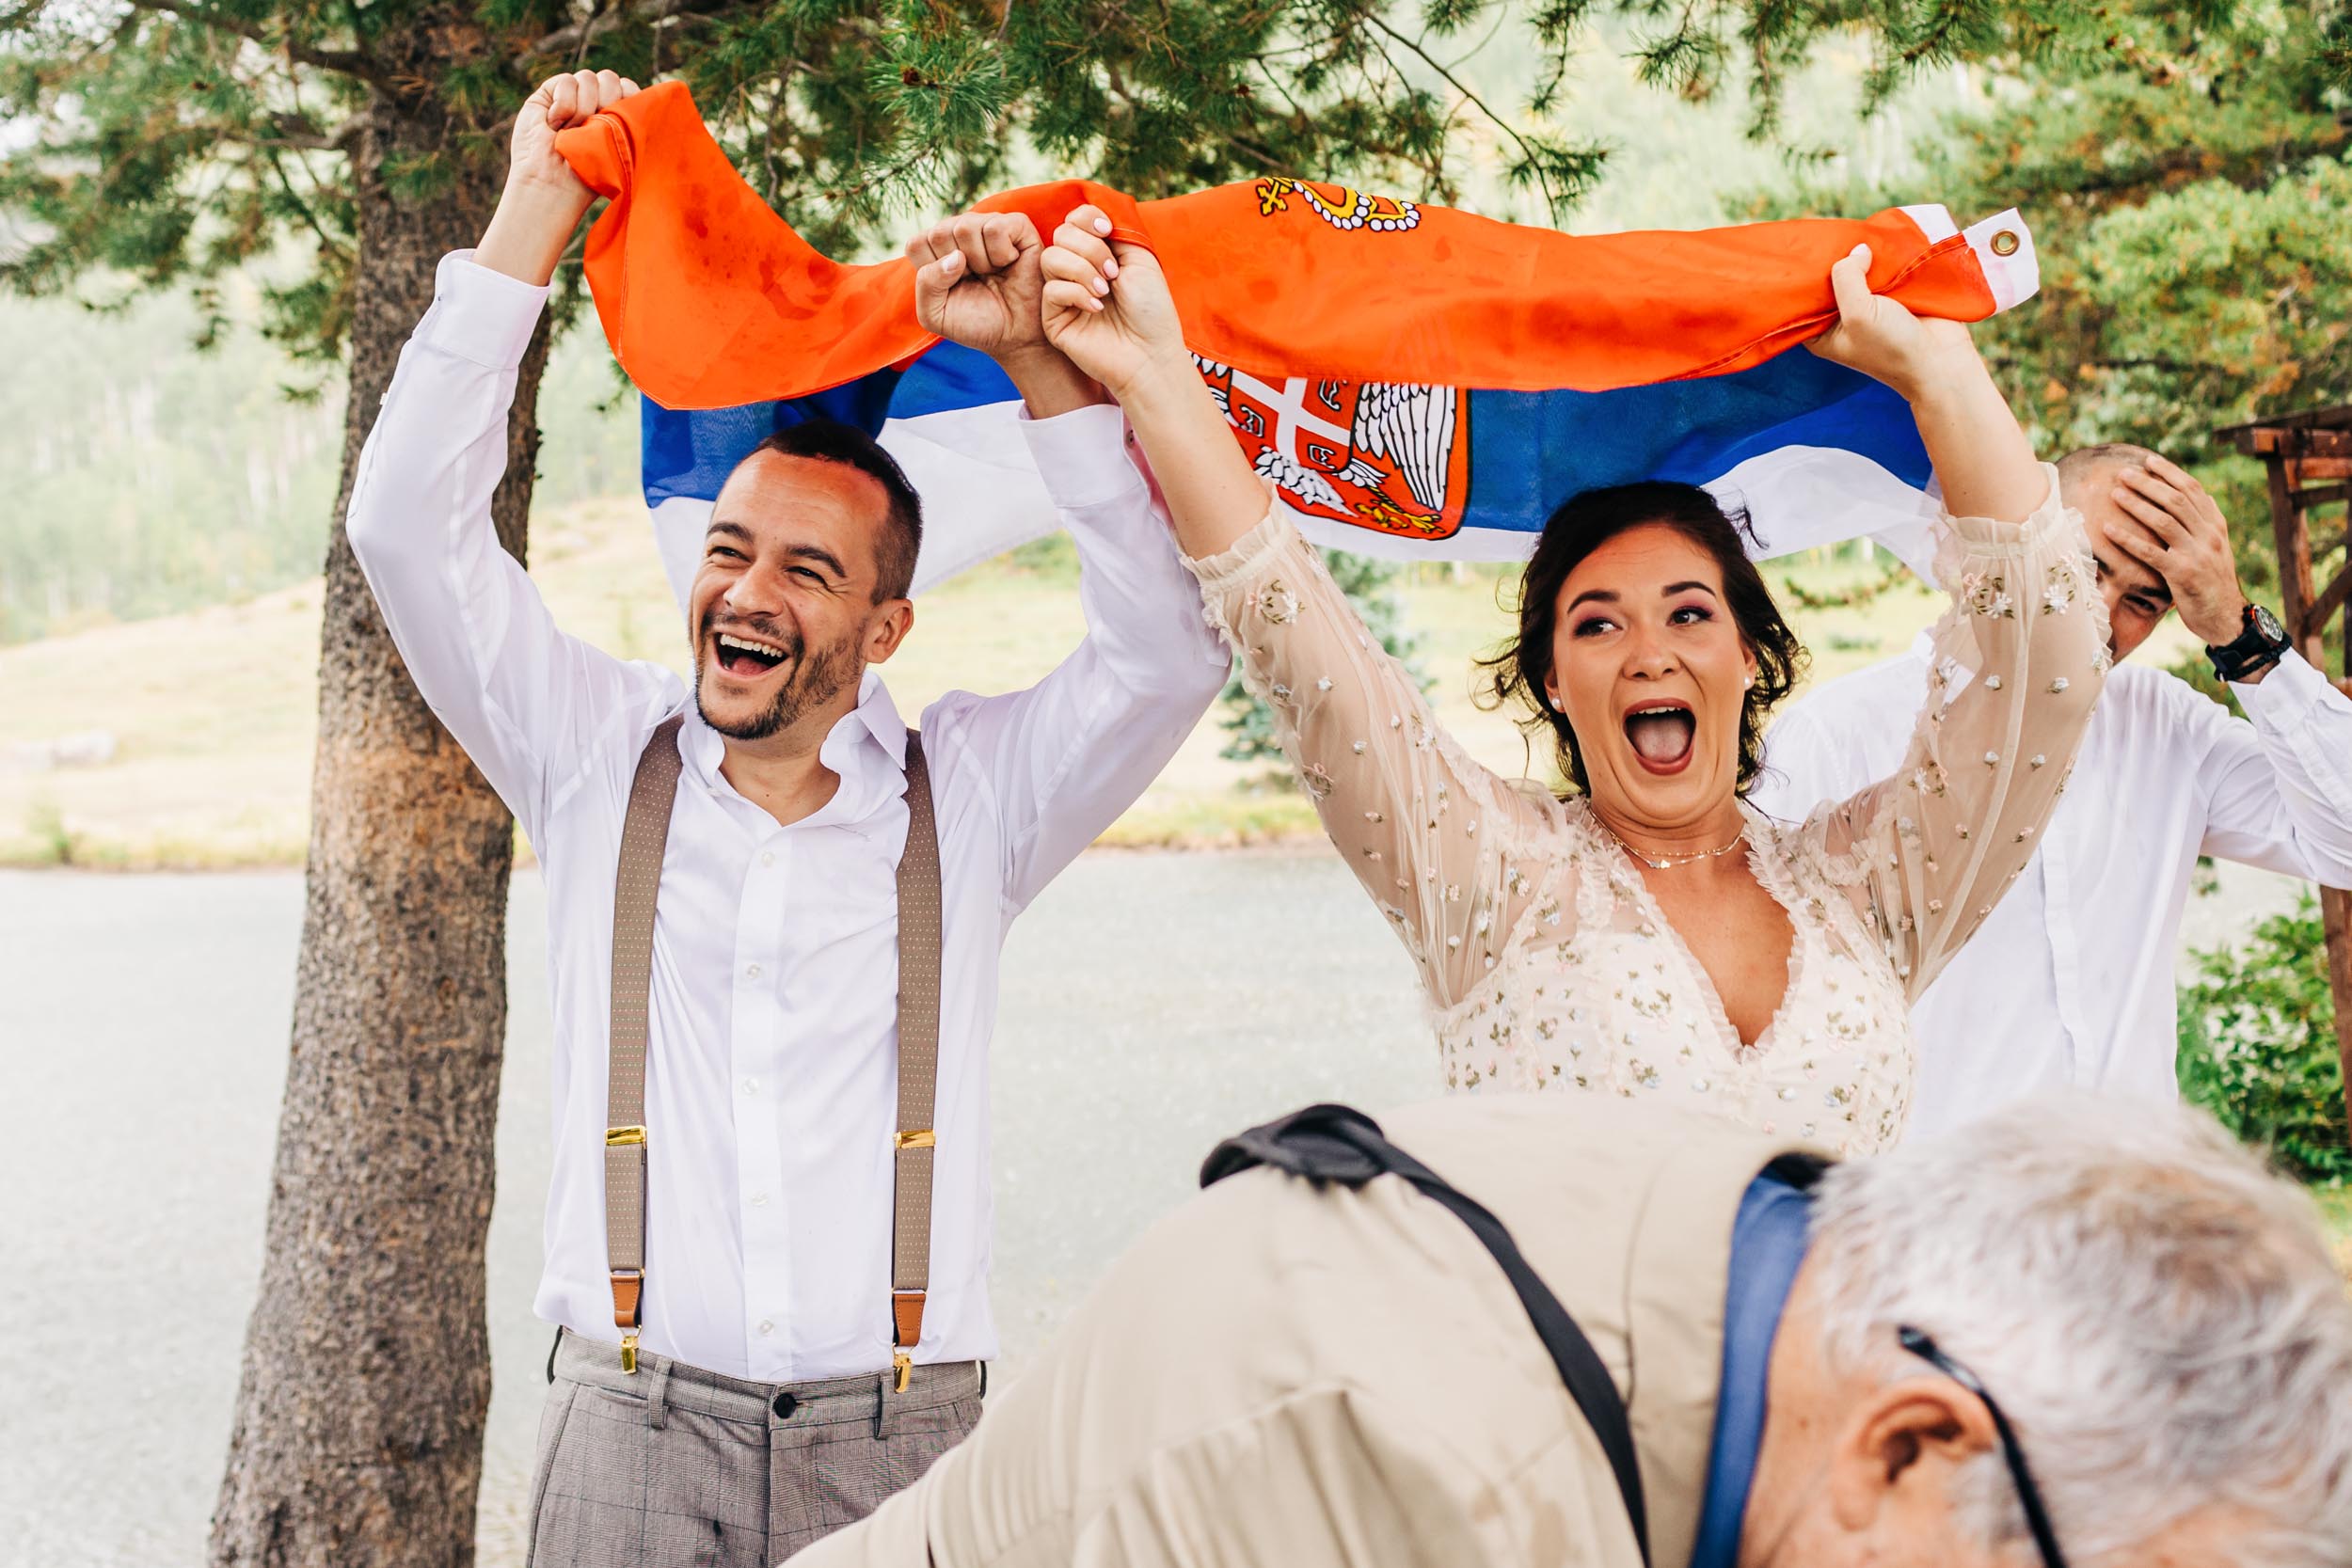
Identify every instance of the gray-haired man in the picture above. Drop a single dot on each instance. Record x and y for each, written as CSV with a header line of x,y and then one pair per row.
x,y
2071,1334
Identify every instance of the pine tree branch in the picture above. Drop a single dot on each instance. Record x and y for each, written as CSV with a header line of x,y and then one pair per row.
x,y
351,62
328,243
1534,161
573,40
300,133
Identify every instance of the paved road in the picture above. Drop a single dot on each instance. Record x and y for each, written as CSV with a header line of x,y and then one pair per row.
x,y
1151,1004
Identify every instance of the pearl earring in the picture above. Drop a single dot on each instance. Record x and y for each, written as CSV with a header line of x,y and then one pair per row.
x,y
1749,685
1557,706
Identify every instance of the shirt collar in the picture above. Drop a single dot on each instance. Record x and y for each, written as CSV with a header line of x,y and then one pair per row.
x,y
866,748
1768,1245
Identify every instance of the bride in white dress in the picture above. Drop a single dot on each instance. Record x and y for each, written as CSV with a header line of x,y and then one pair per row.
x,y
1612,942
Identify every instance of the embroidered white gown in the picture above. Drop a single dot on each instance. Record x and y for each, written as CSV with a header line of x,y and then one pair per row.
x,y
1547,962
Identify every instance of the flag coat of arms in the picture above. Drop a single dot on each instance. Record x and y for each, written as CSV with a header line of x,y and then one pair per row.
x,y
1416,381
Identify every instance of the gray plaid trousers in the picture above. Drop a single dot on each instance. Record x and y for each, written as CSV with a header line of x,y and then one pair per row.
x,y
677,1468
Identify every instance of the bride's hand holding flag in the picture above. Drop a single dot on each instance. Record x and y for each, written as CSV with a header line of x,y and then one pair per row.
x,y
1107,306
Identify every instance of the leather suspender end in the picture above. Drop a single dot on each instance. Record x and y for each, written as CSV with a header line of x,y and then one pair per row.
x,y
906,1318
906,1332
628,1288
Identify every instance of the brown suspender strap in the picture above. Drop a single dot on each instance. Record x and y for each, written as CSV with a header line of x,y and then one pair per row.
x,y
644,832
919,1064
643,835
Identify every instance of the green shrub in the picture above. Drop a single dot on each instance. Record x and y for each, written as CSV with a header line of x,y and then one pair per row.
x,y
2257,1045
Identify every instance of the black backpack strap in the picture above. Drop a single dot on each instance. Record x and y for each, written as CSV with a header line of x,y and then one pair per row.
x,y
1334,1143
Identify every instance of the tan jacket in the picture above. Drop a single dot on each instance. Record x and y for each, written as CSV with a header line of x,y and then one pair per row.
x,y
1284,1377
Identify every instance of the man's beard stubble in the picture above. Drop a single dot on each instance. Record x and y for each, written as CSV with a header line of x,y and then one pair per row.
x,y
815,681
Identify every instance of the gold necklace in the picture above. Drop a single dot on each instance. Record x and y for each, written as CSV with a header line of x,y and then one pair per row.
x,y
1669,862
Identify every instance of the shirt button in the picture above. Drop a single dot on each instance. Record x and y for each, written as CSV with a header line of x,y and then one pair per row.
x,y
767,1327
751,1087
750,972
759,1200
767,857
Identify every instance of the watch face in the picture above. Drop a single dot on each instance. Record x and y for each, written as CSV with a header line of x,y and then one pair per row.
x,y
2268,625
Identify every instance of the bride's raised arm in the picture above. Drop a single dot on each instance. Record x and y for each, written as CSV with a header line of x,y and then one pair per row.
x,y
1434,837
2020,656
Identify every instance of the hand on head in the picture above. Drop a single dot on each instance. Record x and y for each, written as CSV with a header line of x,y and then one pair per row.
x,y
2165,521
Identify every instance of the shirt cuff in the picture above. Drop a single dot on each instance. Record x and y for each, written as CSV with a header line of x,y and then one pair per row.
x,y
1082,455
2280,699
480,316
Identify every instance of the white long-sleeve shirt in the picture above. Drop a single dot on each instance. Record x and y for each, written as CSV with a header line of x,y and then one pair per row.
x,y
2070,982
772,1075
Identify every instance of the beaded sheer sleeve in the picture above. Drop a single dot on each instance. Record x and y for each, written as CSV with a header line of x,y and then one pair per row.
x,y
1450,851
2018,659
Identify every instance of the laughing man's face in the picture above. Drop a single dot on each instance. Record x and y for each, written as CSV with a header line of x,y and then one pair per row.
x,y
783,608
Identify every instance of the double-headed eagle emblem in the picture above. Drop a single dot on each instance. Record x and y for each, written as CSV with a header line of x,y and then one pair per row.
x,y
1379,454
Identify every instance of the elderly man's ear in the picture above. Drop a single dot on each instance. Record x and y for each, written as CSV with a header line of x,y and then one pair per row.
x,y
1892,1470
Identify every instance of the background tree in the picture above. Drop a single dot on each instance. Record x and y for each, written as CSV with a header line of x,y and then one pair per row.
x,y
2185,173
341,148
2189,176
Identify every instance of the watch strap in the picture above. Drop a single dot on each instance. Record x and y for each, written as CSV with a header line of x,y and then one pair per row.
x,y
2253,649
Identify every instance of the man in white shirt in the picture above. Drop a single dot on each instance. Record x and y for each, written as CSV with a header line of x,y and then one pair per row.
x,y
764,1408
2071,980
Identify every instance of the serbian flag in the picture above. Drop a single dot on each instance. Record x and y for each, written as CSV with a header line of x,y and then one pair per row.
x,y
1418,382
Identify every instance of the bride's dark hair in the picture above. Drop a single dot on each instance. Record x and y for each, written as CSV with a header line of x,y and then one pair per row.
x,y
1520,667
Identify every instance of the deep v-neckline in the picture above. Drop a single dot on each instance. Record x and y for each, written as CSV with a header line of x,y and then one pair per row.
x,y
1623,875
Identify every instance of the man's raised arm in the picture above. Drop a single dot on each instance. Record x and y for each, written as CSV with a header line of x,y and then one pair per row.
x,y
1066,756
525,701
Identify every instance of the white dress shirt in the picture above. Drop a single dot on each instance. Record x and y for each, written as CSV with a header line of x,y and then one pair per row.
x,y
2070,982
772,1069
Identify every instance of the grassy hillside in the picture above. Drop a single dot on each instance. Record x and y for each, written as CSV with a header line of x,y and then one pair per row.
x,y
148,478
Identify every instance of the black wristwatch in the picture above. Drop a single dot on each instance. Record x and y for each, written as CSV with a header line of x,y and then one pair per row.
x,y
2253,650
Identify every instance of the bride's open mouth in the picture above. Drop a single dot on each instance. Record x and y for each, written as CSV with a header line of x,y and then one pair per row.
x,y
1661,733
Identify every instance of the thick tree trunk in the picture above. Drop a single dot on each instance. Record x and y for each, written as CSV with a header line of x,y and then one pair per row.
x,y
359,1427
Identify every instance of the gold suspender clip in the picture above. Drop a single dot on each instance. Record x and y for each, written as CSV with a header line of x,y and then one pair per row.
x,y
919,1137
627,1137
